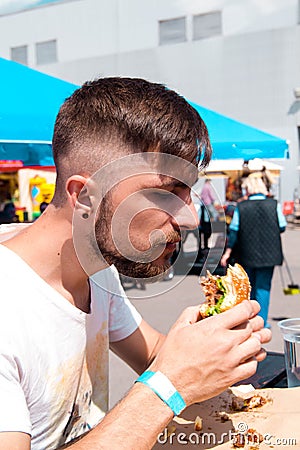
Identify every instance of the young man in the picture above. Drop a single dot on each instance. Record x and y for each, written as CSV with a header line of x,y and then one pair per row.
x,y
118,201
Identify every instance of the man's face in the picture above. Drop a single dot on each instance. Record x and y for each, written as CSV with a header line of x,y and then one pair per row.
x,y
140,222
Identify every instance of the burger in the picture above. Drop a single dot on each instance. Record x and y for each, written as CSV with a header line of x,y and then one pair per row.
x,y
224,292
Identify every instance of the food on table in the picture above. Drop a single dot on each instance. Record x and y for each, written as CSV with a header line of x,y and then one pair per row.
x,y
223,416
198,424
251,437
246,404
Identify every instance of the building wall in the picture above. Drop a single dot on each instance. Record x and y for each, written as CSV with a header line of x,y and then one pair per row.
x,y
89,28
248,73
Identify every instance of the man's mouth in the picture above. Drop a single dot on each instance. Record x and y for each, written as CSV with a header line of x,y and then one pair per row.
x,y
169,244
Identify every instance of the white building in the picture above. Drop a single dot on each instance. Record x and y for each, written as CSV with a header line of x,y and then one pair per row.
x,y
237,57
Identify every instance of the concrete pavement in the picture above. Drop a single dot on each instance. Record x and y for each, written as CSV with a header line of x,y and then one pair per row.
x,y
161,303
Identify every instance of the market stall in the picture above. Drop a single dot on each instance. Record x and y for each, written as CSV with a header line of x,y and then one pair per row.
x,y
30,101
24,189
232,139
36,186
232,171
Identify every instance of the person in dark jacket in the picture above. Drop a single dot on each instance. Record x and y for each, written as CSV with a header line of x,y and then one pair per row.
x,y
254,234
7,210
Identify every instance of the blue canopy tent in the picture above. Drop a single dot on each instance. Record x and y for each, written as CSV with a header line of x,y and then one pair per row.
x,y
232,139
29,102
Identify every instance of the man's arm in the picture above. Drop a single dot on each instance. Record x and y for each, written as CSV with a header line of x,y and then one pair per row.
x,y
281,219
135,422
235,337
14,441
232,237
140,348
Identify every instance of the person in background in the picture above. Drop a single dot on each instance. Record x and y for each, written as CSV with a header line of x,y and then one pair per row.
x,y
254,234
205,229
230,190
43,206
207,212
267,178
8,210
208,199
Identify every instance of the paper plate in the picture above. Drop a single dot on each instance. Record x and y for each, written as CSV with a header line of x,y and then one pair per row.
x,y
276,423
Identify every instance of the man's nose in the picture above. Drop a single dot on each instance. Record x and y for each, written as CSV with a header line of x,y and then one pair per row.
x,y
186,217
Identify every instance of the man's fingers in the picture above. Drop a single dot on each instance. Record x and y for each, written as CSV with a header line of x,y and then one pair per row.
x,y
257,323
242,332
265,335
238,314
255,306
189,315
249,349
261,355
245,370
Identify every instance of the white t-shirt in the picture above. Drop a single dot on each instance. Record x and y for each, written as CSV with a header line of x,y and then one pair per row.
x,y
53,356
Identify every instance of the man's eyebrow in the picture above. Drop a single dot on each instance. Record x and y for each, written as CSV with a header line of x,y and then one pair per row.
x,y
173,182
168,184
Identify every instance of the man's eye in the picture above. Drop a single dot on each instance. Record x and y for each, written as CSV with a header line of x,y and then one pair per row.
x,y
184,194
160,193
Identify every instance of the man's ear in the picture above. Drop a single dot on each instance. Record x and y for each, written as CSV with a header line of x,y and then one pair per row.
x,y
77,189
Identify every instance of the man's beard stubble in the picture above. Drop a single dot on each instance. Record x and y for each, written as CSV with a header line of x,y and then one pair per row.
x,y
124,265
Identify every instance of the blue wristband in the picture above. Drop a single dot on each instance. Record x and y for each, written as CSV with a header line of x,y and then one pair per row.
x,y
165,390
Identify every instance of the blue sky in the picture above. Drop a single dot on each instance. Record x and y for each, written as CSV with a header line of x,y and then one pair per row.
x,y
9,6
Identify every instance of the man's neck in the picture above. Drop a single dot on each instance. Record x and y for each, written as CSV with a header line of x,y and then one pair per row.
x,y
47,247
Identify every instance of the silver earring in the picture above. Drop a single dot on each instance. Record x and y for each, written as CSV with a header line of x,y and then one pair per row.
x,y
85,216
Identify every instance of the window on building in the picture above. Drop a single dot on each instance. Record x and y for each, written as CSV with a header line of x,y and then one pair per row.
x,y
46,52
207,25
19,54
172,31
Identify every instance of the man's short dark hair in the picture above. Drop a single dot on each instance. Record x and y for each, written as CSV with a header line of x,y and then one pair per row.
x,y
111,117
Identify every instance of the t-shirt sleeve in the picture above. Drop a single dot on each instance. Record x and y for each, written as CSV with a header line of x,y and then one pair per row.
x,y
14,414
124,319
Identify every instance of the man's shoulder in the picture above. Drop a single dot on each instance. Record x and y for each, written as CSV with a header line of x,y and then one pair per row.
x,y
110,272
107,279
7,262
17,279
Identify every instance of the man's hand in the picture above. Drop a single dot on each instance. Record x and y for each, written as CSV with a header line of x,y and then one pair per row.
x,y
203,358
225,257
